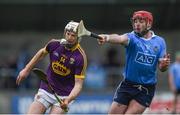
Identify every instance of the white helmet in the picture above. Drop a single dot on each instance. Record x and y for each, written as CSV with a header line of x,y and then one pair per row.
x,y
73,27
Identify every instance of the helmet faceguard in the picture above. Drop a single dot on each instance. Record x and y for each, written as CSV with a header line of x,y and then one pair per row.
x,y
145,15
72,27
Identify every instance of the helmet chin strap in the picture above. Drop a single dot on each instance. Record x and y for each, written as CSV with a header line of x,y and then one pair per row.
x,y
69,45
141,34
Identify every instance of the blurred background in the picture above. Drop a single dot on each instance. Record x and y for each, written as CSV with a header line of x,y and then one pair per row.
x,y
27,25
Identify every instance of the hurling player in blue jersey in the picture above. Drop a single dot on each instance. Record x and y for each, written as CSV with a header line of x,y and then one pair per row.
x,y
145,51
174,80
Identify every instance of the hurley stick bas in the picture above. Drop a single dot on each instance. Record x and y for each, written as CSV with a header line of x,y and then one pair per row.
x,y
82,31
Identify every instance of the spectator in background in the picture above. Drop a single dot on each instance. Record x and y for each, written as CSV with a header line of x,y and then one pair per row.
x,y
8,72
112,67
174,80
11,72
112,59
22,60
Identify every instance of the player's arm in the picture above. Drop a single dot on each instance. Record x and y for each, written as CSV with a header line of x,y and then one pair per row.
x,y
25,72
74,93
38,56
114,38
76,90
80,67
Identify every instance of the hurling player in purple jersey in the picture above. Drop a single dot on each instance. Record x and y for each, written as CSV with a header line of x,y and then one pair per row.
x,y
145,52
65,73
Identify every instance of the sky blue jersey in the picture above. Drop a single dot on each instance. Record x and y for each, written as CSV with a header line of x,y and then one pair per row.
x,y
142,57
174,70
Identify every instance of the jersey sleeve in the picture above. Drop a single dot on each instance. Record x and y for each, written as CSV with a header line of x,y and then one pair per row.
x,y
163,48
81,65
130,40
52,45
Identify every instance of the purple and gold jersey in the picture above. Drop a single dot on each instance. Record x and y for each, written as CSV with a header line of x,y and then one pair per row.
x,y
65,65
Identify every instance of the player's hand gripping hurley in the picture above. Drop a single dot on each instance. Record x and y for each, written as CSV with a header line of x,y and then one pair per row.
x,y
82,31
43,77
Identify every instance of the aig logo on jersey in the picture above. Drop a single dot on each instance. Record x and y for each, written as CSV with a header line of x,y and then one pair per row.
x,y
146,59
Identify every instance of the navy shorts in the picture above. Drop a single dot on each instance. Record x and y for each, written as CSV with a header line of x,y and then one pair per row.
x,y
178,91
128,91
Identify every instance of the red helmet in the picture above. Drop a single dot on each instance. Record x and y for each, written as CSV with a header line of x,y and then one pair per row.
x,y
144,15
